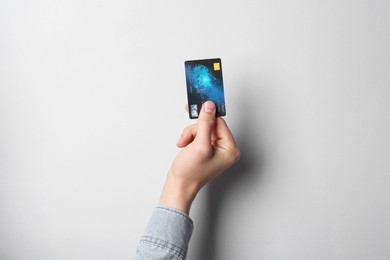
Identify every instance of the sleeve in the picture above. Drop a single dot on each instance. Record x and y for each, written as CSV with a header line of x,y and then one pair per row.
x,y
166,237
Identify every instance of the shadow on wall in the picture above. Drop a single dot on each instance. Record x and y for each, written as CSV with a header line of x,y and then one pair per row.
x,y
247,170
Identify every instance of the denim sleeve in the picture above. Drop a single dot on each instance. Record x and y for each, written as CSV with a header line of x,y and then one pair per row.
x,y
166,236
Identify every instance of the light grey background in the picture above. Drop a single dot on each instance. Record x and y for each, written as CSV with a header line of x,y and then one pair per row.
x,y
92,98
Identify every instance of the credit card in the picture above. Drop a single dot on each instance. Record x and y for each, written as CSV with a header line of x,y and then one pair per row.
x,y
204,82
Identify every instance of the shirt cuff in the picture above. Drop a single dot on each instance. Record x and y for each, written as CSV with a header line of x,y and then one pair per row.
x,y
170,229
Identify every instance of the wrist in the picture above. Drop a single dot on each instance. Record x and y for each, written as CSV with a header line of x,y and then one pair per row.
x,y
178,194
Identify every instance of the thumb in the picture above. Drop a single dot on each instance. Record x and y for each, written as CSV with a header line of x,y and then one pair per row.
x,y
206,122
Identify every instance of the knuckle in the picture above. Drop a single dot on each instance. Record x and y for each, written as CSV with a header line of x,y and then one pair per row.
x,y
204,151
237,154
188,129
234,155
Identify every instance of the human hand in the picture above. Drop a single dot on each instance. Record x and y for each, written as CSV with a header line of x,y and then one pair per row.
x,y
208,149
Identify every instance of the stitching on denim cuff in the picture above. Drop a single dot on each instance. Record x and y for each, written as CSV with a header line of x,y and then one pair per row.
x,y
181,214
163,244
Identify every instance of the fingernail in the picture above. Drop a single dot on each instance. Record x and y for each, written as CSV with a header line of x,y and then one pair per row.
x,y
209,107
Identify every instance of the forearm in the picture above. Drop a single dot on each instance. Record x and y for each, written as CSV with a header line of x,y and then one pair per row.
x,y
170,228
178,194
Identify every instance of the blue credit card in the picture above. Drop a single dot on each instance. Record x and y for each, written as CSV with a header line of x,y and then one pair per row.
x,y
204,82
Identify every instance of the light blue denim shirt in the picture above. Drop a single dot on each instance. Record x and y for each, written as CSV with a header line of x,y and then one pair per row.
x,y
166,236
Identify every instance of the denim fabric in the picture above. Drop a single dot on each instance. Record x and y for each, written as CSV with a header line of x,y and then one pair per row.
x,y
166,236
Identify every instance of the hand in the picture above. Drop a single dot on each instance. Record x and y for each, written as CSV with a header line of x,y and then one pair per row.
x,y
208,149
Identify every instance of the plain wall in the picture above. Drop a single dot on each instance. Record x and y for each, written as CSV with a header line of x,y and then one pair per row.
x,y
92,97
